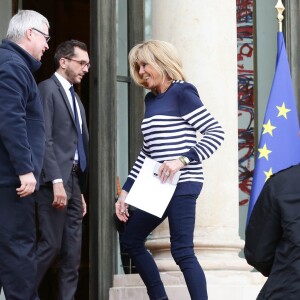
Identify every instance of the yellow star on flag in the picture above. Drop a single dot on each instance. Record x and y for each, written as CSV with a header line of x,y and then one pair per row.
x,y
268,128
283,110
264,152
268,174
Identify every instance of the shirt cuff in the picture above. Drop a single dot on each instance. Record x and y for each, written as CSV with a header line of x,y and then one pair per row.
x,y
57,180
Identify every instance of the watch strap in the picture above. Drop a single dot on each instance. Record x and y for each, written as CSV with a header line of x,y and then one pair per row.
x,y
184,160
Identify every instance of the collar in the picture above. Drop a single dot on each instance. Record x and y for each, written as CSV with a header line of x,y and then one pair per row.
x,y
32,64
64,82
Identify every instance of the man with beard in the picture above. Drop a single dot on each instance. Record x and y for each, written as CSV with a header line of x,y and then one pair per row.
x,y
61,204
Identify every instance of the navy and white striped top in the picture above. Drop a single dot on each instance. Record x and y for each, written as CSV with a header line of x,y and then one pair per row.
x,y
172,120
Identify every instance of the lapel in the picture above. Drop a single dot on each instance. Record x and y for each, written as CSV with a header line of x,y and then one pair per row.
x,y
64,97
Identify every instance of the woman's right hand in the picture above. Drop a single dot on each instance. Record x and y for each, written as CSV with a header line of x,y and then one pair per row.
x,y
121,207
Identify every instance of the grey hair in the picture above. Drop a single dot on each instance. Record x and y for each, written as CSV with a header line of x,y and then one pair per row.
x,y
22,21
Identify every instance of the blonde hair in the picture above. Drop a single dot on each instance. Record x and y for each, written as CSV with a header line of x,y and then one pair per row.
x,y
162,56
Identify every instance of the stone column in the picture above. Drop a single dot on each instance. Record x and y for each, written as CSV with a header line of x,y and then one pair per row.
x,y
102,113
5,15
204,33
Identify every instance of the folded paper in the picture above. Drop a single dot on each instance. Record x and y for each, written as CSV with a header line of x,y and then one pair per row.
x,y
148,193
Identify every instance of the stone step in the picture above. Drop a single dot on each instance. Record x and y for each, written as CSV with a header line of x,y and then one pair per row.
x,y
225,285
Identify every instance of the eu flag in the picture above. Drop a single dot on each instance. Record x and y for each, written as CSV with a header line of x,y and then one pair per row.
x,y
279,145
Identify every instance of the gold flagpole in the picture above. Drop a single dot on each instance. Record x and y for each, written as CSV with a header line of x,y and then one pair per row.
x,y
280,8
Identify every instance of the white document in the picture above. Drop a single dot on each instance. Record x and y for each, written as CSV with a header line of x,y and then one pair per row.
x,y
148,193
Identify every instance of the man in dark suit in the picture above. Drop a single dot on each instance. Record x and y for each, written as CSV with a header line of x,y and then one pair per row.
x,y
61,204
22,143
272,243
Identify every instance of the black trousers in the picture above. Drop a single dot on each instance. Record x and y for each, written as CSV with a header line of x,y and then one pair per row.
x,y
17,245
60,235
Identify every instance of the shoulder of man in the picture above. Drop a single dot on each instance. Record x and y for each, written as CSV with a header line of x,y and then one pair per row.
x,y
294,169
49,81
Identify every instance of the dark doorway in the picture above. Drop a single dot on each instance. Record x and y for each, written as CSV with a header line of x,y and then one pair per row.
x,y
69,19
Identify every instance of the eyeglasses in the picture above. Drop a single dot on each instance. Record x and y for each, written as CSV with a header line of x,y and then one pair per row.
x,y
81,62
46,36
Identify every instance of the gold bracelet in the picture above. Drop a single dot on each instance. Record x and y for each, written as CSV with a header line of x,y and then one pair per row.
x,y
181,158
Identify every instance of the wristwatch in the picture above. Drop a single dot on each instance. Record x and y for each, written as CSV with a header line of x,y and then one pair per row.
x,y
184,160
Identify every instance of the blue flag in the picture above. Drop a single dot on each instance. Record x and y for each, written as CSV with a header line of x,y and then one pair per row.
x,y
279,145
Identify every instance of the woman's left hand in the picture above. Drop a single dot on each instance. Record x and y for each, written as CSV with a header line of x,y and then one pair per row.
x,y
168,169
121,207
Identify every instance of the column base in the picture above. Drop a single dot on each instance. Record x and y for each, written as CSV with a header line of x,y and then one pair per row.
x,y
212,254
225,285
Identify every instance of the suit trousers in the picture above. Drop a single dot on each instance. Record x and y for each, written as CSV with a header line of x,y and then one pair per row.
x,y
17,245
60,235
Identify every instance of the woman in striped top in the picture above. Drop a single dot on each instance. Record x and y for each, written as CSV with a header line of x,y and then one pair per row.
x,y
174,114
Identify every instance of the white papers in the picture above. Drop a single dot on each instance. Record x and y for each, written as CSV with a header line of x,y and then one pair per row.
x,y
148,193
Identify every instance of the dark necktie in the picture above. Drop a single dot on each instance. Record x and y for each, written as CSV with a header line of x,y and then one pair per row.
x,y
80,147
